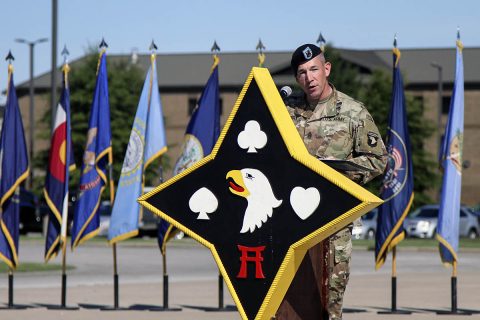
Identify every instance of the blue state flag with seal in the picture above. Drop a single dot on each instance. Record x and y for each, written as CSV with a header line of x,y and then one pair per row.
x,y
14,169
452,151
200,137
96,158
61,162
397,188
147,143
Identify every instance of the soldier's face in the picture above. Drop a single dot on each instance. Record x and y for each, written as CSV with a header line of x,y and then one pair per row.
x,y
312,77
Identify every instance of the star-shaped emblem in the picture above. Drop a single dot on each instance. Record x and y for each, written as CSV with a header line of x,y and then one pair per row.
x,y
259,200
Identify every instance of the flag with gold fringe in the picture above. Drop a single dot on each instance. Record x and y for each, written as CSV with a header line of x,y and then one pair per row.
x,y
14,170
96,159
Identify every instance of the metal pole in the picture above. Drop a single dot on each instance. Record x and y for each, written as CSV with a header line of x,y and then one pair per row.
x,y
394,279
10,288
114,246
220,291
439,104
454,287
165,280
31,93
32,116
53,89
115,277
64,273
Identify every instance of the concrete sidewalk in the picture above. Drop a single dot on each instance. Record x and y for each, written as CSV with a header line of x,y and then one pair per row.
x,y
367,294
423,285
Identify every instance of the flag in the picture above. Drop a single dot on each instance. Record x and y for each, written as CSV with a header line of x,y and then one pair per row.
x,y
397,189
14,170
147,142
86,221
449,213
200,137
56,183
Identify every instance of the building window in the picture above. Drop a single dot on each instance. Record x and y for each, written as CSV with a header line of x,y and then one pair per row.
x,y
192,104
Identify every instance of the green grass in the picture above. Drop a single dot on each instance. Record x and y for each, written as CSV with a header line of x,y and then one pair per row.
x,y
420,243
34,267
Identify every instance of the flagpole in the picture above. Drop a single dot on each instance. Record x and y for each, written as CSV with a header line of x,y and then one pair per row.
x,y
114,245
10,287
450,202
393,241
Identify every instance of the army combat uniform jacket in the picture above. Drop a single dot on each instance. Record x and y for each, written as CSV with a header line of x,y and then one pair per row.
x,y
344,130
339,128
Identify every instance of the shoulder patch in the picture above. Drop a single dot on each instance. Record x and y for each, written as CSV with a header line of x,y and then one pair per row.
x,y
373,138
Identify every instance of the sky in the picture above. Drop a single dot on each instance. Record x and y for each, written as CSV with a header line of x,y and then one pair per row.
x,y
183,26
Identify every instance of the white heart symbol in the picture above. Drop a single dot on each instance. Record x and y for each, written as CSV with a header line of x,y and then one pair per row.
x,y
304,201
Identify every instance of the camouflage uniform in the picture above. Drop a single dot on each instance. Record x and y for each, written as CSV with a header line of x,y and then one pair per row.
x,y
342,128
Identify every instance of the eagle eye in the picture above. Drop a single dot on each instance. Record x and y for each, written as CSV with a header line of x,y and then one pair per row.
x,y
249,176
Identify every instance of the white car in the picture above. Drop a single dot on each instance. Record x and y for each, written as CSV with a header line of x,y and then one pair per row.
x,y
368,226
422,223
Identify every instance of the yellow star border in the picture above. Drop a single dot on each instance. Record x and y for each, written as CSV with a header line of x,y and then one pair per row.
x,y
364,200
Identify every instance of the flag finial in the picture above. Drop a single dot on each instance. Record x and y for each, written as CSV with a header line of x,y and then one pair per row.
x,y
65,53
153,46
395,40
261,56
215,48
321,41
260,47
458,33
103,44
9,57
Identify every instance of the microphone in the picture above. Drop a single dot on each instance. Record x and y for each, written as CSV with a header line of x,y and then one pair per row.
x,y
285,92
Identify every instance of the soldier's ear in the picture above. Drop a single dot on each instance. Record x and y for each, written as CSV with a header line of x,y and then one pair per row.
x,y
328,68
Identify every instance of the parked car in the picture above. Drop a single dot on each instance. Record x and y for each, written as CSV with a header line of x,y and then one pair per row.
x,y
146,226
104,211
368,228
30,217
422,223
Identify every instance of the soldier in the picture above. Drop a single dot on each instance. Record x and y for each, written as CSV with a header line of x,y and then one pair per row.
x,y
332,126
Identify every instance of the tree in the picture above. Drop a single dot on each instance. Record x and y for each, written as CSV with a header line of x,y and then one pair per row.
x,y
375,91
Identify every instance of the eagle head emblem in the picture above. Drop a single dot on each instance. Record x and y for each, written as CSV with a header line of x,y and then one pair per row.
x,y
254,186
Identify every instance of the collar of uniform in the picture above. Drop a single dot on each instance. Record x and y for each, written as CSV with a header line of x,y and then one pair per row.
x,y
332,107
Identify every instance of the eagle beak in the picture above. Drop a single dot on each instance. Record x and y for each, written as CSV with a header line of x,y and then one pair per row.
x,y
236,184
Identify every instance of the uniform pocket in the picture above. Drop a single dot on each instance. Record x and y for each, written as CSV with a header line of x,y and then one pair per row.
x,y
342,246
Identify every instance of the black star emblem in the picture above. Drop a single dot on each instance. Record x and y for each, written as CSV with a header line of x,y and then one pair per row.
x,y
259,200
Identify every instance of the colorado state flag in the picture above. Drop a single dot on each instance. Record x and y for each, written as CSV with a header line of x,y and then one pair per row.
x,y
200,137
56,184
147,142
397,189
93,177
452,150
14,170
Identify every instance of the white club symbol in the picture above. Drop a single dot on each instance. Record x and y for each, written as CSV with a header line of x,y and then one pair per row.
x,y
252,137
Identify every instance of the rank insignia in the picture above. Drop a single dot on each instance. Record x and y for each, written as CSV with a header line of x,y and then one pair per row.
x,y
259,201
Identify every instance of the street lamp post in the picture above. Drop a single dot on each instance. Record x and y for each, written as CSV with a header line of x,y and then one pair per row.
x,y
440,105
31,44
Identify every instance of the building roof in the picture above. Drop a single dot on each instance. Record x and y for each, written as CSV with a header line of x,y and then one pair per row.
x,y
190,70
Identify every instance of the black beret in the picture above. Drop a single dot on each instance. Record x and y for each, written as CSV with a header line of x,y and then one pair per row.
x,y
303,54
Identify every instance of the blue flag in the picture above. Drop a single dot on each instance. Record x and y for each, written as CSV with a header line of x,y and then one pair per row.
x,y
449,213
147,142
200,137
86,221
56,183
13,171
397,189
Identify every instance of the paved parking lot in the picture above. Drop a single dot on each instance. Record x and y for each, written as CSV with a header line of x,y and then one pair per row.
x,y
423,284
